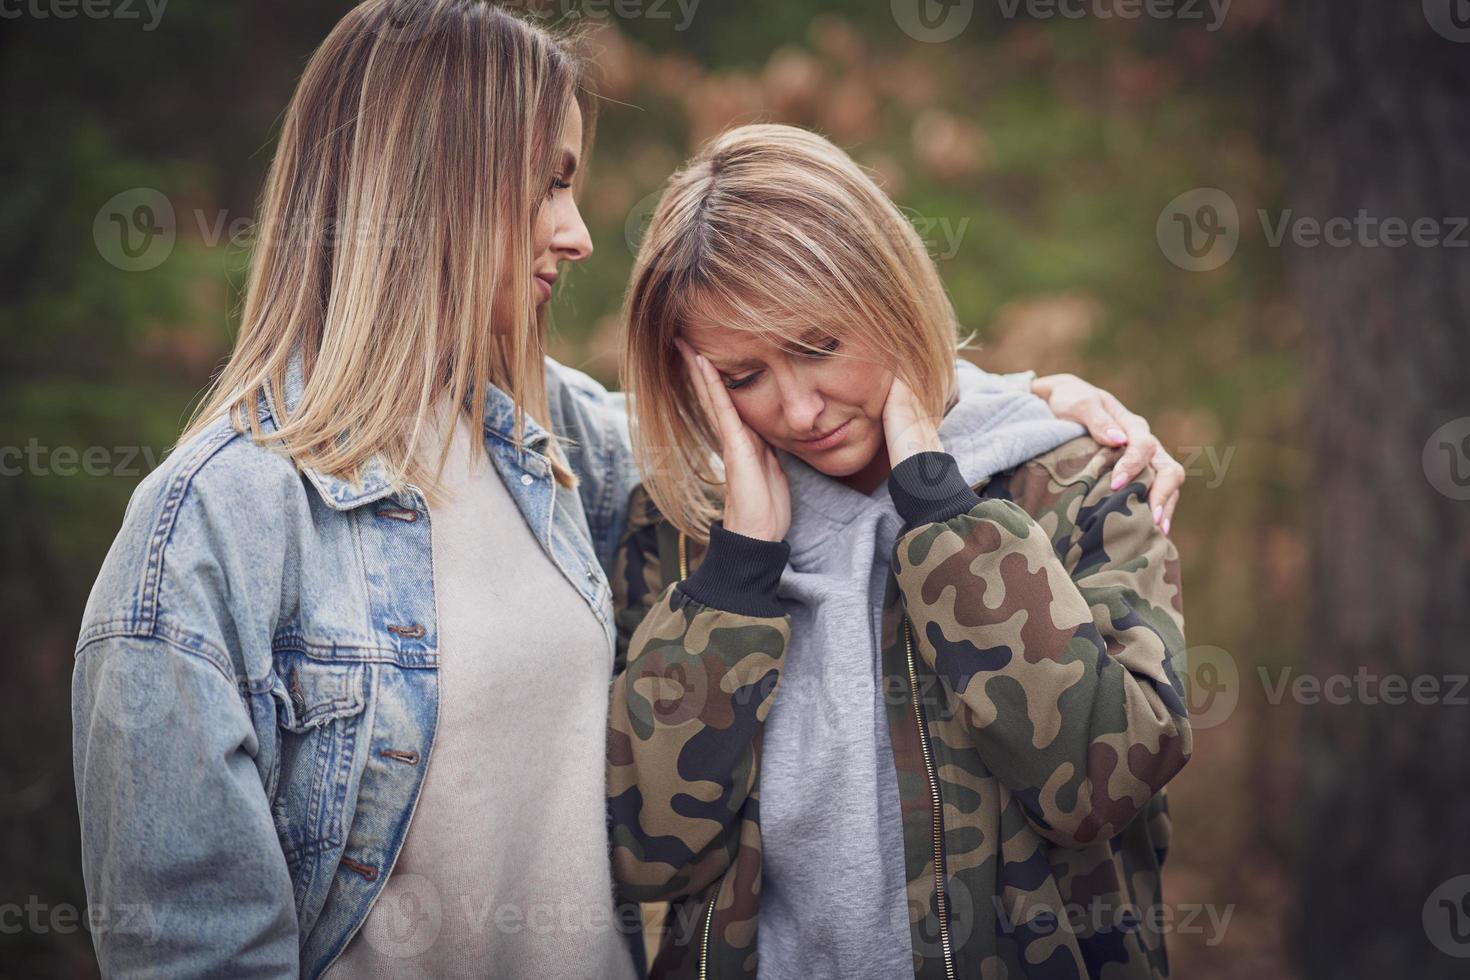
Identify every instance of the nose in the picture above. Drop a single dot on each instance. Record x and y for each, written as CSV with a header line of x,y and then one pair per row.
x,y
570,241
801,406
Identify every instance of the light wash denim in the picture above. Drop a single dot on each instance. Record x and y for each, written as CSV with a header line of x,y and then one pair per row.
x,y
256,685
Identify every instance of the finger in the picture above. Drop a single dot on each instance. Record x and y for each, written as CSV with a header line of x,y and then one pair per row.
x,y
728,420
1101,424
1169,477
1169,511
696,377
1142,444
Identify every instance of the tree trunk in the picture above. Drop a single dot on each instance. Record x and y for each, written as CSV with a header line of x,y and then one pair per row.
x,y
1379,122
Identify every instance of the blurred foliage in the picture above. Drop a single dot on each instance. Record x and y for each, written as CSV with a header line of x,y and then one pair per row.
x,y
1035,154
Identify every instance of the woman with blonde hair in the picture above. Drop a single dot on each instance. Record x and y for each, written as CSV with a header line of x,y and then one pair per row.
x,y
945,630
303,744
311,736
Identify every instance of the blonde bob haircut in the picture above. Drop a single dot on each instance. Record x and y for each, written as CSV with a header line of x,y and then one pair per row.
x,y
398,209
773,230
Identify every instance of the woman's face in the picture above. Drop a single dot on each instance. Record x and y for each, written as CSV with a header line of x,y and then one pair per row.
x,y
558,234
826,410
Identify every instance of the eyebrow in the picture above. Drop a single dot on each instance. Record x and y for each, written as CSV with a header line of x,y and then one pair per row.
x,y
568,164
735,367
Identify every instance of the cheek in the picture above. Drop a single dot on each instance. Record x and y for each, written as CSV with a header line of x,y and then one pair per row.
x,y
760,410
862,385
541,231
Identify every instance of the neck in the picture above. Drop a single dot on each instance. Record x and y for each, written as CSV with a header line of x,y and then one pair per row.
x,y
872,475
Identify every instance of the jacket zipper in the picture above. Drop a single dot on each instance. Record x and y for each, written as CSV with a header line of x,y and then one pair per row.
x,y
936,807
709,915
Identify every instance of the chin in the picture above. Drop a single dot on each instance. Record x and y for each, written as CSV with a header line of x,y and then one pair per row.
x,y
841,462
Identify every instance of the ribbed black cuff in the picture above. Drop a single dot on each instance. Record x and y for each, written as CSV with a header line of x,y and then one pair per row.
x,y
739,574
928,487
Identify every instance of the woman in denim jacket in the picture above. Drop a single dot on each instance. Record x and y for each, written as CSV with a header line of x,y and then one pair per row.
x,y
309,735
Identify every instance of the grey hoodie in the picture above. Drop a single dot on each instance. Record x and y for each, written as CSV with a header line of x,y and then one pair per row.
x,y
833,897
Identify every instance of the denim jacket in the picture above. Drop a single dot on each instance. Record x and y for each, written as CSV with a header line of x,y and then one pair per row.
x,y
256,684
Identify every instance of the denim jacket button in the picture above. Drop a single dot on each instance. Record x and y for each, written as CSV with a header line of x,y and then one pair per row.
x,y
527,479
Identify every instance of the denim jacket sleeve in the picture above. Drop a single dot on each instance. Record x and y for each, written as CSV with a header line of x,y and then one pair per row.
x,y
180,856
592,423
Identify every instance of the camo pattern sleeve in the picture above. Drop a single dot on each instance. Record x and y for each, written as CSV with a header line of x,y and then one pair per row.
x,y
701,658
1055,632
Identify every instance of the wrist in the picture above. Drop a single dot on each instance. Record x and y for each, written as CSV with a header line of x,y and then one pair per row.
x,y
739,573
929,487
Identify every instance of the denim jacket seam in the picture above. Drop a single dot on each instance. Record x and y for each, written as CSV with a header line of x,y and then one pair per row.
x,y
179,641
605,498
173,502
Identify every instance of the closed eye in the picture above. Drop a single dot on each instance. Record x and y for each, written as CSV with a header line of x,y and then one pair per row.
x,y
734,384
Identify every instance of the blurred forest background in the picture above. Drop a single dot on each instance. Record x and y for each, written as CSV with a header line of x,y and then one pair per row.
x,y
1038,154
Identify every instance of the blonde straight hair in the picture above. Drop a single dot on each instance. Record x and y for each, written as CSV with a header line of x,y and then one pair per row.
x,y
421,140
773,230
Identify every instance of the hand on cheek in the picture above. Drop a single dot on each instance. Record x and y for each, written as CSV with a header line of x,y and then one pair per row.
x,y
757,498
906,427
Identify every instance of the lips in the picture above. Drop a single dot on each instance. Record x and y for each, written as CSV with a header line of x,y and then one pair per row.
x,y
831,438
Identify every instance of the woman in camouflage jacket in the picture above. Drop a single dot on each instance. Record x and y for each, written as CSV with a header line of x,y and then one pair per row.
x,y
1030,617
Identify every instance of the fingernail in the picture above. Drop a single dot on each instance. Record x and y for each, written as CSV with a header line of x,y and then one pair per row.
x,y
1116,435
1158,514
1118,480
1166,526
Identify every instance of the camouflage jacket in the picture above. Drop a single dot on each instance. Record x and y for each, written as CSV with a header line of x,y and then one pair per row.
x,y
1030,631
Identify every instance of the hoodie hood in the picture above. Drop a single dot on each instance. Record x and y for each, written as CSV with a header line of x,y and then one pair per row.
x,y
994,424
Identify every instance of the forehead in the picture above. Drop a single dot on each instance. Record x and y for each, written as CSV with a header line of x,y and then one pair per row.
x,y
713,337
571,128
737,331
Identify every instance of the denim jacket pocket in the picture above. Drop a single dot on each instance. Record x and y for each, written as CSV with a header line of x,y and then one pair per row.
x,y
321,717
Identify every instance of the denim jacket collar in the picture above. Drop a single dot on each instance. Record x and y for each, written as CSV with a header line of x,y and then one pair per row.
x,y
341,494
